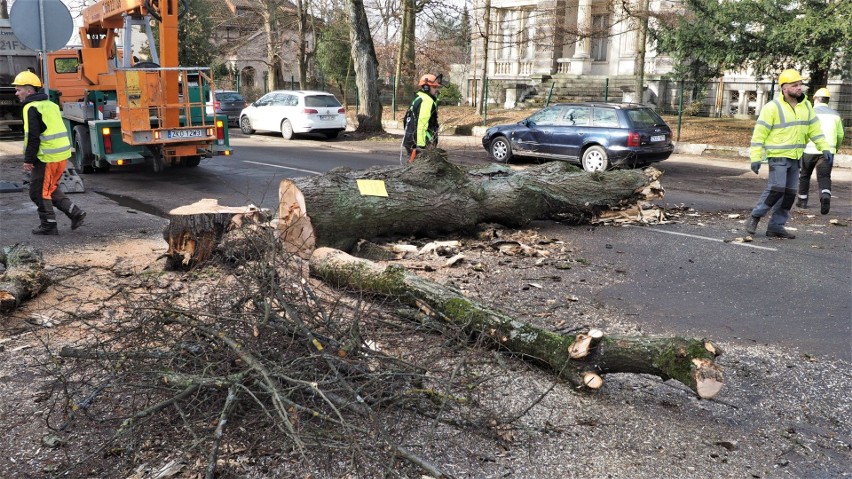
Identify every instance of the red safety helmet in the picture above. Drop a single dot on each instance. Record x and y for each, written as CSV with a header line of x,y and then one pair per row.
x,y
431,80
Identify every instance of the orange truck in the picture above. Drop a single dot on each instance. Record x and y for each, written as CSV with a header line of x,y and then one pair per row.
x,y
122,112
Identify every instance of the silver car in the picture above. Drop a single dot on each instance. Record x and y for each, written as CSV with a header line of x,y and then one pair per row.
x,y
292,112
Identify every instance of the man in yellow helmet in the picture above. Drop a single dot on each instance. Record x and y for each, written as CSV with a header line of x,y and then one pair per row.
x,y
782,130
832,128
46,152
421,119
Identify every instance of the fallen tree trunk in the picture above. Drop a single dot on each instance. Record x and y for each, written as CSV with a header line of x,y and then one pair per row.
x,y
195,230
24,277
432,196
581,358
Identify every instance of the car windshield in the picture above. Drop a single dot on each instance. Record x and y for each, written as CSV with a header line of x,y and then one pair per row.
x,y
644,118
321,100
229,96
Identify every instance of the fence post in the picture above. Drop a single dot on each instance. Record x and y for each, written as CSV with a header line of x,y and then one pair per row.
x,y
680,110
485,101
606,90
393,98
549,94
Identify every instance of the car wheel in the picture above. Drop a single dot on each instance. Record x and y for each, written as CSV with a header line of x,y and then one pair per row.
x,y
500,149
595,159
245,126
286,130
82,150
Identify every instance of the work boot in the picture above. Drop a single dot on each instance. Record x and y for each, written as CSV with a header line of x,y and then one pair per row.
x,y
825,203
780,233
802,203
77,217
46,229
751,224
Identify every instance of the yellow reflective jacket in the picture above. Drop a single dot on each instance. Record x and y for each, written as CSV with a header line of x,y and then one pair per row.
x,y
54,144
782,131
832,128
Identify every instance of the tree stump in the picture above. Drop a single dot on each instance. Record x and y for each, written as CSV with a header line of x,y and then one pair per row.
x,y
195,230
432,196
24,277
580,358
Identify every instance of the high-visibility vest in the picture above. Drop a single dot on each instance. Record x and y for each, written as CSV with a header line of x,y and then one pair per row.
x,y
783,131
832,128
54,144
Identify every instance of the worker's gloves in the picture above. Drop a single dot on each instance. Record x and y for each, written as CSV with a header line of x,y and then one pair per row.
x,y
829,157
755,166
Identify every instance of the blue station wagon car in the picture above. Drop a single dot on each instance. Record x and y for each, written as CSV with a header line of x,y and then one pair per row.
x,y
596,136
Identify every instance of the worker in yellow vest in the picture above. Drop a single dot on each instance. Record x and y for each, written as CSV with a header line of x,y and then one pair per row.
x,y
46,153
832,128
783,128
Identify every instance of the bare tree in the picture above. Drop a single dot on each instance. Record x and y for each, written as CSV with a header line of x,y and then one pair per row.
x,y
366,69
485,34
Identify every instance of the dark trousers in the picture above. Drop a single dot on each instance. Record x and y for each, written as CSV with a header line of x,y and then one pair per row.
x,y
57,197
823,170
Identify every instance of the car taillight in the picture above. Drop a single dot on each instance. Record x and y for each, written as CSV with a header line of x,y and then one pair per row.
x,y
342,110
311,111
220,132
107,140
633,139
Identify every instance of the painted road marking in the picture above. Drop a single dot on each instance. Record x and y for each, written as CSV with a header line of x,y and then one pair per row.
x,y
749,245
283,167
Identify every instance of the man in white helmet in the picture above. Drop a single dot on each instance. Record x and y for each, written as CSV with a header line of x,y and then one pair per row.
x,y
47,149
832,128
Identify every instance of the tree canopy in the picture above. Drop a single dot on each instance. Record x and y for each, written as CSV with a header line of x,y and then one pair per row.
x,y
708,37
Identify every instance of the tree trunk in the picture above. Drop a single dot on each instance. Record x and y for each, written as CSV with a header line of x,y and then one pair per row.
x,y
366,69
405,69
432,196
581,358
303,52
24,277
195,230
641,47
486,37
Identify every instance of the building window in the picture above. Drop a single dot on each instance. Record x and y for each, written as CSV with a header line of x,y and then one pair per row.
x,y
600,37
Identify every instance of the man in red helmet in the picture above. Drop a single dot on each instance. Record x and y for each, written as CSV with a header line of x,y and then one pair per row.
x,y
421,119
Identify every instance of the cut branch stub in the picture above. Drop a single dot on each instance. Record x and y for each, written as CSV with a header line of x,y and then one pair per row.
x,y
24,277
685,360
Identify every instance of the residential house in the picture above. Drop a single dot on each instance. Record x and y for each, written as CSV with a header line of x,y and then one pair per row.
x,y
536,52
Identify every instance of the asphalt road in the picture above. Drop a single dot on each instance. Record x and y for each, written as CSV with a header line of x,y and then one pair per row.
x,y
681,278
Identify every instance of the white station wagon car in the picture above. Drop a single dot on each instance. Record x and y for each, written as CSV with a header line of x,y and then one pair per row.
x,y
292,112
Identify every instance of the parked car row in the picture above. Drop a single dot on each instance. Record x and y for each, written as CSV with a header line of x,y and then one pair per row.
x,y
594,135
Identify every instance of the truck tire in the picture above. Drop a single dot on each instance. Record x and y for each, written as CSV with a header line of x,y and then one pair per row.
x,y
82,150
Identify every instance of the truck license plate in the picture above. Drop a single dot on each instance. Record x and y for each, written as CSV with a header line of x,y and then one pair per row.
x,y
198,133
658,138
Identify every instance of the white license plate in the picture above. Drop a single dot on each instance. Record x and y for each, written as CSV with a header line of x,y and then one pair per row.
x,y
197,133
327,117
658,138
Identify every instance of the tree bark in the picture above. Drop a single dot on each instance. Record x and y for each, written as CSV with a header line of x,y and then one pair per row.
x,y
366,69
24,277
195,230
486,39
582,359
432,196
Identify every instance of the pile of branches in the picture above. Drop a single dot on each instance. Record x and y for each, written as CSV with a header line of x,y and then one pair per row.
x,y
248,363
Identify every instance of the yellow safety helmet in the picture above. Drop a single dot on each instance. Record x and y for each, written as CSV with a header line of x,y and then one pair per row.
x,y
822,92
27,78
789,76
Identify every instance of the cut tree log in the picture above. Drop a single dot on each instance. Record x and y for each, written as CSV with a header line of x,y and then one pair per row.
x,y
24,277
582,358
195,230
432,196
